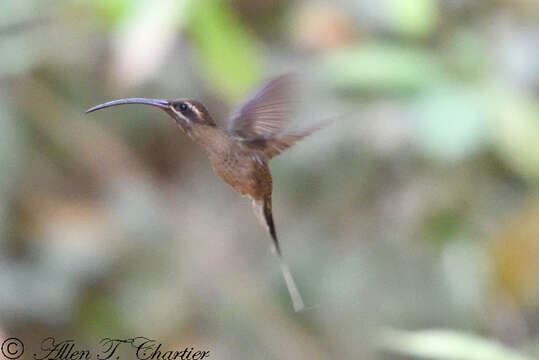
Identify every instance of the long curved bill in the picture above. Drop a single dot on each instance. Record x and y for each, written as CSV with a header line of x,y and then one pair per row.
x,y
162,104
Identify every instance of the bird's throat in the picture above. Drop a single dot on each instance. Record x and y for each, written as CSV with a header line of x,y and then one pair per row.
x,y
212,139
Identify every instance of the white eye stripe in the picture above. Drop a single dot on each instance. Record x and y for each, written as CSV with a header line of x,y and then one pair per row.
x,y
195,110
180,115
185,118
190,107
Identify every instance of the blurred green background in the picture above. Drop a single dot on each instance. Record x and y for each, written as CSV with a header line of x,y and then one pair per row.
x,y
411,224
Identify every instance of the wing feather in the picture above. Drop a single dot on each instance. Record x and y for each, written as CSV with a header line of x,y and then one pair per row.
x,y
267,112
272,145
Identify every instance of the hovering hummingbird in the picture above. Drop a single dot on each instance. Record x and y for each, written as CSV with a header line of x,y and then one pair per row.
x,y
240,154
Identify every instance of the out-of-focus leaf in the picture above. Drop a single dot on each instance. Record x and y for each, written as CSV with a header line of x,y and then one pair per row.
x,y
414,18
443,226
145,38
112,12
446,345
17,11
382,69
450,124
515,254
98,315
17,50
516,133
228,53
465,55
12,151
18,55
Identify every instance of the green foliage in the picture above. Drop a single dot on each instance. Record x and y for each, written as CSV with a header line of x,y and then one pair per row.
x,y
227,52
416,18
12,159
444,226
98,315
383,68
112,12
450,123
516,133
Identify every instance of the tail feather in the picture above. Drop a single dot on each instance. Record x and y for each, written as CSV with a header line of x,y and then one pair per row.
x,y
264,212
297,301
268,217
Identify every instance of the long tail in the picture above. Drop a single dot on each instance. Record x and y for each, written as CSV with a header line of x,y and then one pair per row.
x,y
263,210
268,219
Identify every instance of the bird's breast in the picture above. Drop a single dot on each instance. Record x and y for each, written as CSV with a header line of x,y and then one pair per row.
x,y
245,172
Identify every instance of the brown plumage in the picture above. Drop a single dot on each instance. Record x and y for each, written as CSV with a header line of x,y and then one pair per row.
x,y
240,154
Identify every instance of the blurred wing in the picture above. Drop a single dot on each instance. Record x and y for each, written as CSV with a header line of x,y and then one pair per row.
x,y
267,112
271,146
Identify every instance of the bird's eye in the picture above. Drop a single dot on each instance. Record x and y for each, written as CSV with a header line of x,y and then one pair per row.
x,y
181,107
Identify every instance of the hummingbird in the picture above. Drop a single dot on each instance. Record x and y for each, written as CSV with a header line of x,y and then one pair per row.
x,y
240,154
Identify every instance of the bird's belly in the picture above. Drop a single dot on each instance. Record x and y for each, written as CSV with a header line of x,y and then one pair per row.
x,y
245,175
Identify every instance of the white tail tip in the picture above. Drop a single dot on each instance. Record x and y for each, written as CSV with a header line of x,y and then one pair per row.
x,y
297,301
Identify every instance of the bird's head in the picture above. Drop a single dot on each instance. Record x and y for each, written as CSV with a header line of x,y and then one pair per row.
x,y
187,113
